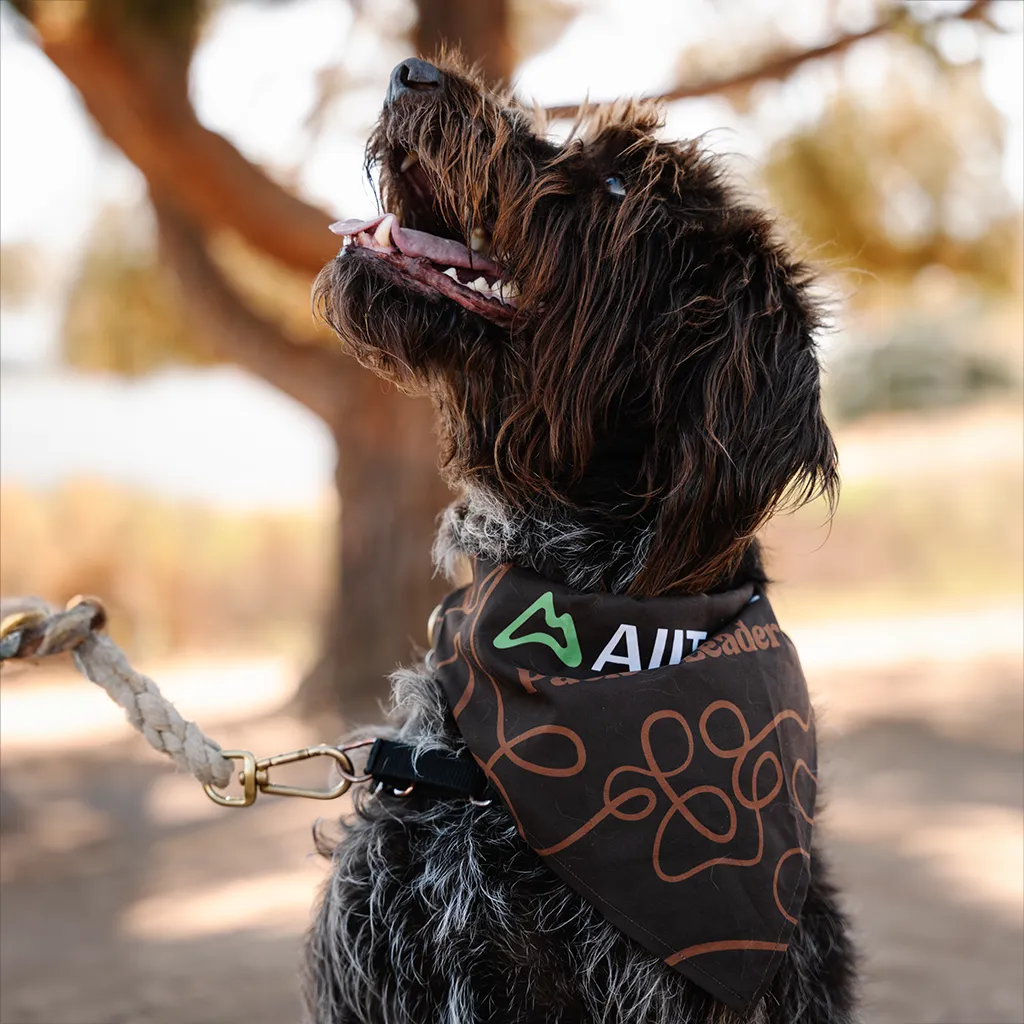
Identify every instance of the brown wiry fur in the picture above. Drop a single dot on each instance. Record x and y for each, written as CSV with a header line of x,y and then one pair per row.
x,y
663,339
653,400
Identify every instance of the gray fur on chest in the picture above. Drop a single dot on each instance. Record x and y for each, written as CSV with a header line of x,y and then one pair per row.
x,y
543,538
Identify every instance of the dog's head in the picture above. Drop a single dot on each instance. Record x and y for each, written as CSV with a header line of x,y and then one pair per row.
x,y
601,322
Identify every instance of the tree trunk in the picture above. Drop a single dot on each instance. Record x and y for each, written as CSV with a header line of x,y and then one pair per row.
x,y
390,494
479,28
389,490
388,486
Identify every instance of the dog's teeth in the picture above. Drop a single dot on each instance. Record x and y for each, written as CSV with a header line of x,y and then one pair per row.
x,y
507,290
382,236
481,285
346,241
452,273
410,159
480,241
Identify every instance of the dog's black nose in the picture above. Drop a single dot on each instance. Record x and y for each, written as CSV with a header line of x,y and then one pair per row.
x,y
413,75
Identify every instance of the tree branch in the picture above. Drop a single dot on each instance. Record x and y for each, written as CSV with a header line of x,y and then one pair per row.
x,y
199,181
149,118
780,68
480,27
311,374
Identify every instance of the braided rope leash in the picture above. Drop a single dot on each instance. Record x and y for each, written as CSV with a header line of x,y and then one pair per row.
x,y
31,628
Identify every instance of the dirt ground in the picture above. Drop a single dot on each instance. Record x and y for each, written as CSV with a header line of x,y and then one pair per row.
x,y
128,898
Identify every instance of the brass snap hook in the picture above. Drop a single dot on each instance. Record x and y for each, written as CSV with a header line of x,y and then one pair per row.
x,y
346,768
255,775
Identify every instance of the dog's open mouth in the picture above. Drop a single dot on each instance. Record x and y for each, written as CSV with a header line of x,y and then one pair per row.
x,y
433,263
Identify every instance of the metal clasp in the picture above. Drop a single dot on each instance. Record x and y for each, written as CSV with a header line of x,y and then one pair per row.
x,y
247,777
255,775
345,768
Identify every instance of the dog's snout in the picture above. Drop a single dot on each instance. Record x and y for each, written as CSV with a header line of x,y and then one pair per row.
x,y
413,75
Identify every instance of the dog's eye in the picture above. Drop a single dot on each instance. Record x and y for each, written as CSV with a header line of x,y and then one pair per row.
x,y
615,186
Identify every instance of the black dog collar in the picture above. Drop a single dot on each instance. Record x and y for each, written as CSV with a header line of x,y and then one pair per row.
x,y
439,774
659,755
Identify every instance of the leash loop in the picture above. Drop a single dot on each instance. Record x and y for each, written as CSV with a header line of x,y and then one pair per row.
x,y
247,777
30,628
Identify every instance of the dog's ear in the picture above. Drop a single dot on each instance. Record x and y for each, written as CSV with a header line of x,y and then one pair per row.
x,y
750,436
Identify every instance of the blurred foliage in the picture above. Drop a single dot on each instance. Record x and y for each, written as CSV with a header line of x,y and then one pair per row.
x,y
122,312
759,37
172,574
920,364
901,178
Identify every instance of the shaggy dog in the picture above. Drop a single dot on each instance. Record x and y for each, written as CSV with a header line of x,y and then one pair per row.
x,y
621,355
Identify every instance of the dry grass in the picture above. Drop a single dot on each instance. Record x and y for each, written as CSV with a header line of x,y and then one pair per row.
x,y
930,517
172,575
903,545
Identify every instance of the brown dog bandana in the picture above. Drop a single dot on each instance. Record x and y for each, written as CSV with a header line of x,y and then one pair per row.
x,y
658,753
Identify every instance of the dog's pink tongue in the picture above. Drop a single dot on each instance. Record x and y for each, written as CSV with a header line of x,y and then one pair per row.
x,y
354,225
445,251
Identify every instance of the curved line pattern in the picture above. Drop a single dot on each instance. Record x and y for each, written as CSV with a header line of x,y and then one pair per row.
x,y
801,763
640,801
467,693
775,879
756,801
722,946
507,750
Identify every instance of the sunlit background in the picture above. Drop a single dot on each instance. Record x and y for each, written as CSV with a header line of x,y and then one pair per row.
x,y
178,437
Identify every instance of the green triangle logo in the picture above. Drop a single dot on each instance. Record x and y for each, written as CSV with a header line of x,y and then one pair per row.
x,y
568,651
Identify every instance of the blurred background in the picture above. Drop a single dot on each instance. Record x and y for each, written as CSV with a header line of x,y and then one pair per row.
x,y
178,437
